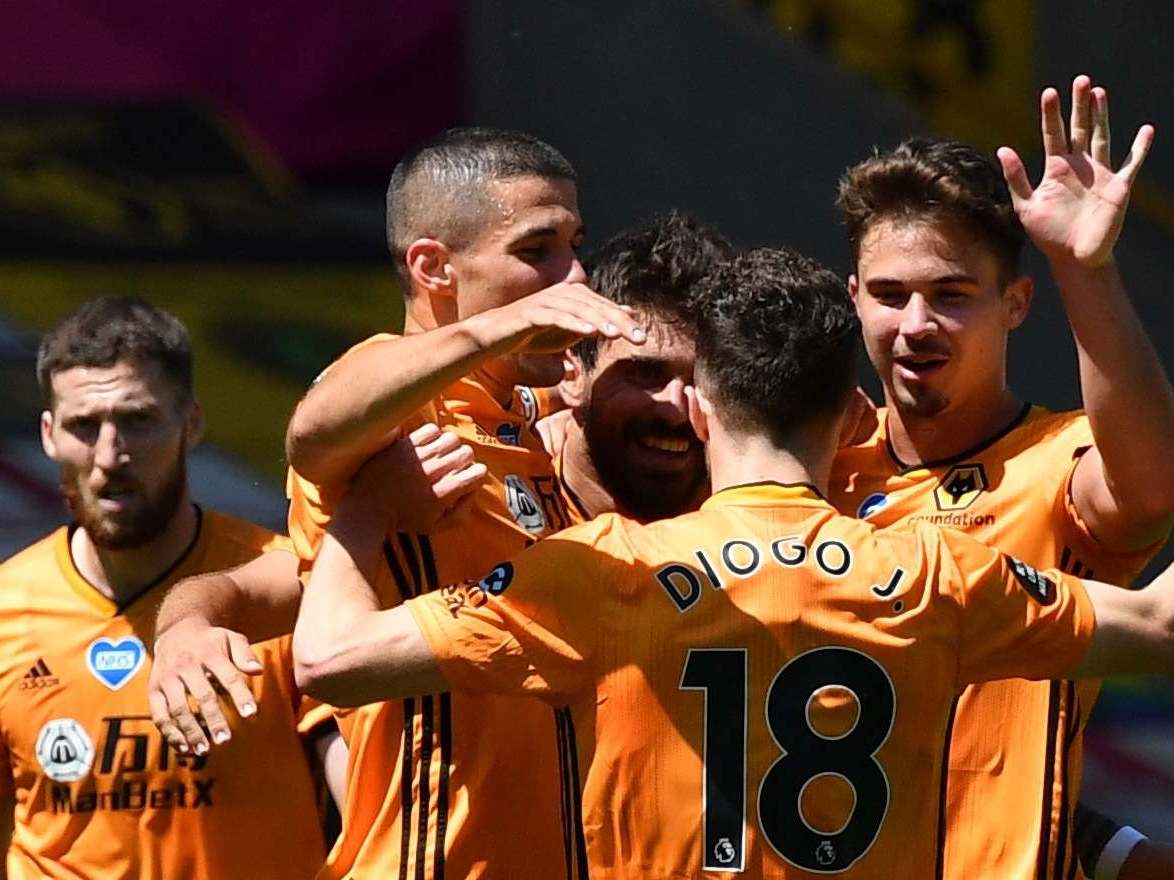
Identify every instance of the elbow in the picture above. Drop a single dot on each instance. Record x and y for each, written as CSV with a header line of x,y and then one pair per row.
x,y
299,441
319,671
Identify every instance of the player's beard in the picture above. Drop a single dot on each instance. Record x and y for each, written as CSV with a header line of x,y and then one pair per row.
x,y
145,522
638,492
925,404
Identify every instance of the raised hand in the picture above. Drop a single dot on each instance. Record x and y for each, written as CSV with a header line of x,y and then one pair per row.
x,y
1076,211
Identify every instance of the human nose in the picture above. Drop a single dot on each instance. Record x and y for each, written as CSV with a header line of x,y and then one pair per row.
x,y
917,318
575,272
672,404
109,449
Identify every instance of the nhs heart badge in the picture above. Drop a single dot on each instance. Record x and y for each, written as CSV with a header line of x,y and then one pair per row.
x,y
115,663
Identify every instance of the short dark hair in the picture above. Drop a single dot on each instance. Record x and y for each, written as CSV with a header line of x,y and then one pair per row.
x,y
437,191
655,269
110,329
777,341
924,179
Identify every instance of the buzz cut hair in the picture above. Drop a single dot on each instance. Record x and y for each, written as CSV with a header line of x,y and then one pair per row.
x,y
438,190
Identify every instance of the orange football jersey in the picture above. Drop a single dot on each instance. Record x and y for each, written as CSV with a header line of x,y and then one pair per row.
x,y
1015,759
764,686
455,785
98,792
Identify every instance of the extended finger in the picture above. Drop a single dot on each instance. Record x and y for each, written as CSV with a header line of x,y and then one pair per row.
x,y
1101,145
424,434
612,320
442,445
208,705
435,468
180,713
1055,143
161,715
1015,175
1137,153
224,673
243,657
1080,128
461,482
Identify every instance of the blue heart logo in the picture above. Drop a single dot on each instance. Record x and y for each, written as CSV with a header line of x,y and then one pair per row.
x,y
115,663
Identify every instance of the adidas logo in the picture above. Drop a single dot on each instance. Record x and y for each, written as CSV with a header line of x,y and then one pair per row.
x,y
38,676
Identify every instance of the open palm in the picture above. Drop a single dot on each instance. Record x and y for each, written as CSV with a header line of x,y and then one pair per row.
x,y
1078,208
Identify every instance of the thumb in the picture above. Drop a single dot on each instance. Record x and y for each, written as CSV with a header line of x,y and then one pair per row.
x,y
242,655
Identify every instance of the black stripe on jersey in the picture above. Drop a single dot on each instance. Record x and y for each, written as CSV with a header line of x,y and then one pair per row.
x,y
576,796
430,579
409,745
442,788
1065,559
397,571
426,744
564,788
939,871
412,560
1064,854
1045,830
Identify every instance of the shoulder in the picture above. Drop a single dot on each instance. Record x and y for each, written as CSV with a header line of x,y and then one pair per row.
x,y
1045,430
227,536
35,560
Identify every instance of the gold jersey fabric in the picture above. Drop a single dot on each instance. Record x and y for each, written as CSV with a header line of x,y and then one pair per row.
x,y
763,686
1015,756
450,785
98,792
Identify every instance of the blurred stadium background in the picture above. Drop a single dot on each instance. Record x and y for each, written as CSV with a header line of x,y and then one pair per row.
x,y
227,160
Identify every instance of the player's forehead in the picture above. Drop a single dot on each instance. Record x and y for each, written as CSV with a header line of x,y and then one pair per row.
x,y
526,205
923,250
668,344
122,386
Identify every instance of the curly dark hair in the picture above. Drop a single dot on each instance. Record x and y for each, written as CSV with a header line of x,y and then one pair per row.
x,y
109,329
777,341
923,179
655,269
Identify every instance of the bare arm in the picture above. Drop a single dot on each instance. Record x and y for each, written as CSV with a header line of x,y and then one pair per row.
x,y
1124,487
332,753
1134,632
347,651
360,402
202,638
258,599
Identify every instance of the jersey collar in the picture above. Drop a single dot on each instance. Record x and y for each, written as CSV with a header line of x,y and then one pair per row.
x,y
103,604
767,494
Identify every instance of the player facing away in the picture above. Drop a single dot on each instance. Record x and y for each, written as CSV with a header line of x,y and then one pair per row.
x,y
763,686
90,788
937,235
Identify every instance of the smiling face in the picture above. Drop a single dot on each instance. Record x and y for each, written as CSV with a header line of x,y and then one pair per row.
x,y
120,435
935,312
529,242
635,419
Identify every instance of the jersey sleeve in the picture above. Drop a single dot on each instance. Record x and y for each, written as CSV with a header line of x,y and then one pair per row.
x,y
531,625
1016,622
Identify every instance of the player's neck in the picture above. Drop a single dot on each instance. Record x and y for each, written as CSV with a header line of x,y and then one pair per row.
x,y
739,460
120,575
580,474
953,431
